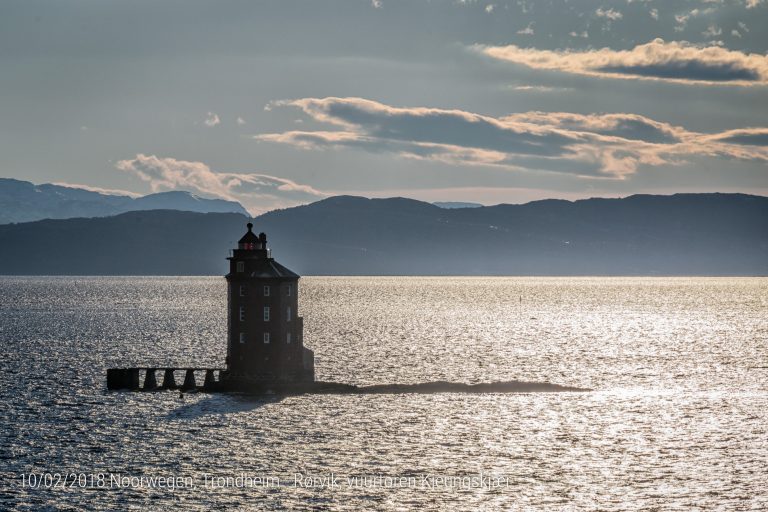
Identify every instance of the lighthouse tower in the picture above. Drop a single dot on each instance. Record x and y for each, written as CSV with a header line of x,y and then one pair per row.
x,y
265,332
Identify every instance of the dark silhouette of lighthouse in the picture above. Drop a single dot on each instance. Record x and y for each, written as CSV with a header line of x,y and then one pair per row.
x,y
265,331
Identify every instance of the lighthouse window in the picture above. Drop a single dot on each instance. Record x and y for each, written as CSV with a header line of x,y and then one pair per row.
x,y
266,291
266,337
241,266
242,313
290,287
288,338
242,337
242,290
266,313
288,314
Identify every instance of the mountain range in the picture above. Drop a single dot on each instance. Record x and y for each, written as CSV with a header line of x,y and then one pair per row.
x,y
456,204
681,234
22,201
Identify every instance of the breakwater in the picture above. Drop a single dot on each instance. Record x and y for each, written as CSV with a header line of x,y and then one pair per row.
x,y
216,380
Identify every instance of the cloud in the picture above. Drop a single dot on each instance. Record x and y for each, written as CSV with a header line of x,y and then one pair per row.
x,y
539,88
240,121
597,145
712,31
679,62
211,119
107,191
682,19
527,31
744,136
627,126
751,4
611,14
257,192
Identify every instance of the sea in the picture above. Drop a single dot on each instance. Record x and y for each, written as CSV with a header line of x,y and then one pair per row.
x,y
676,416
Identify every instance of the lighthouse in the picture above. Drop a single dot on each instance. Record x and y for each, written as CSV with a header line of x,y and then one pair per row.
x,y
265,334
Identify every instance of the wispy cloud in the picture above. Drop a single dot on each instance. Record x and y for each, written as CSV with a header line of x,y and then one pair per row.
x,y
681,20
527,31
539,88
598,145
626,126
107,191
744,136
712,31
679,62
610,14
257,192
211,119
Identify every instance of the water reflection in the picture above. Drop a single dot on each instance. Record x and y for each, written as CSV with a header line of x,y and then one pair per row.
x,y
679,420
191,407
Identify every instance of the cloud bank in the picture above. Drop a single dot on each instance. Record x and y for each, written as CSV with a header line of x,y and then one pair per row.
x,y
597,145
257,192
679,62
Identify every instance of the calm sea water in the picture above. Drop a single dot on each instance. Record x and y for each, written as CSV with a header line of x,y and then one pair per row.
x,y
678,418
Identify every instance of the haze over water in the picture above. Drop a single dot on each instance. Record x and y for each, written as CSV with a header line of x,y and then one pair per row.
x,y
678,417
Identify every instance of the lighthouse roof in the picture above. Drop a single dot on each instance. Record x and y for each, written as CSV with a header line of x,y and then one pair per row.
x,y
270,268
250,237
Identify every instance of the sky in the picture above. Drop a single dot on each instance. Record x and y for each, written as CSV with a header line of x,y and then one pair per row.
x,y
280,103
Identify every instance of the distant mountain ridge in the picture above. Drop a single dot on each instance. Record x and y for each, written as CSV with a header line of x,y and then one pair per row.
x,y
456,204
22,201
682,234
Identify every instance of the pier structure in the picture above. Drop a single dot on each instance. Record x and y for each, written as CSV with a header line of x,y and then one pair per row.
x,y
145,379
